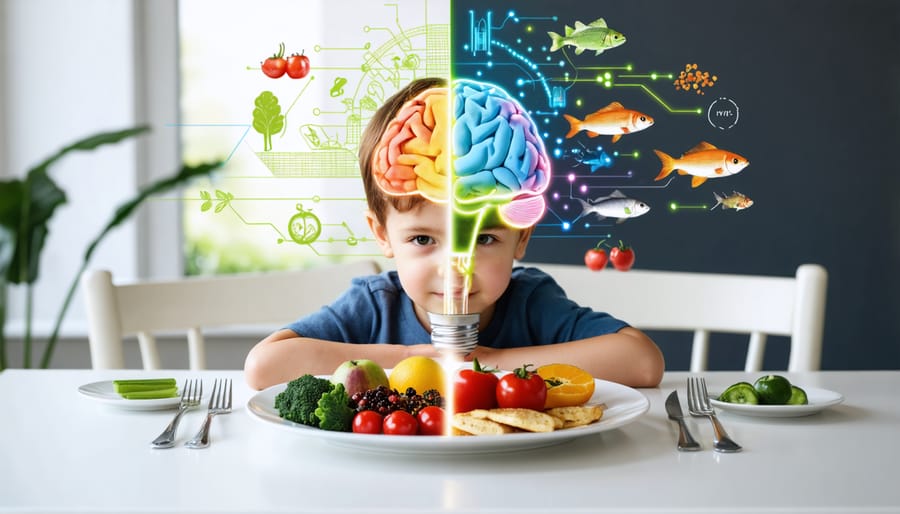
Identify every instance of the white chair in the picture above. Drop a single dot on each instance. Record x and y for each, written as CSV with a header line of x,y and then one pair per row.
x,y
145,308
708,302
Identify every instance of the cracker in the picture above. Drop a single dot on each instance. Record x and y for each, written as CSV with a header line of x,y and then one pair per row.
x,y
472,424
576,416
526,419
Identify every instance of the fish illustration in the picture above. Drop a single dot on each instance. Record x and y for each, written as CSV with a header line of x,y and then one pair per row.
x,y
613,120
603,160
616,205
703,161
596,36
735,201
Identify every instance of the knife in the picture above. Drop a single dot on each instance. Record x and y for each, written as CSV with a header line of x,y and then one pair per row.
x,y
686,442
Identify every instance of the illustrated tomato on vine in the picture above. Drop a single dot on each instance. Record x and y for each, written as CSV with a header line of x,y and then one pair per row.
x,y
296,66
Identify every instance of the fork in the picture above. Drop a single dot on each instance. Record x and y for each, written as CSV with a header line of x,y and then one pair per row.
x,y
190,398
698,405
219,403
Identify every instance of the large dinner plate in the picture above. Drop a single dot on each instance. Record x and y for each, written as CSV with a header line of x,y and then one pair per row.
x,y
105,392
819,400
623,405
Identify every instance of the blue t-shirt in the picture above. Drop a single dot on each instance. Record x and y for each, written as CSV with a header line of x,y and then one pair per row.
x,y
534,310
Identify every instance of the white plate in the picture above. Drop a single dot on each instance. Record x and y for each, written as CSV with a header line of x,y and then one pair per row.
x,y
623,405
105,392
819,399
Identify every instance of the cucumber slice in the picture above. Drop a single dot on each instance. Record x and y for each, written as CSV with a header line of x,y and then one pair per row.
x,y
153,394
150,384
742,392
798,396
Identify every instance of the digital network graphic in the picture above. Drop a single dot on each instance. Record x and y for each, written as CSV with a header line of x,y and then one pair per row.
x,y
298,100
577,79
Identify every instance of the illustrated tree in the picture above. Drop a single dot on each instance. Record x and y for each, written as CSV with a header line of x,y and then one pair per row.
x,y
267,117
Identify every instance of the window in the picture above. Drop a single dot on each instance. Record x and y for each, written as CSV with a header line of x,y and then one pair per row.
x,y
290,194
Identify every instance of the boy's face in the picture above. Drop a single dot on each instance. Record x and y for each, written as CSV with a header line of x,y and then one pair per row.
x,y
417,241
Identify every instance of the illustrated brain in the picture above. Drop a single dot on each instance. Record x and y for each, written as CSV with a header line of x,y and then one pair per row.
x,y
498,157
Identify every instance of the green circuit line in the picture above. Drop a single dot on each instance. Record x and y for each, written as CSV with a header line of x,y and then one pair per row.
x,y
660,100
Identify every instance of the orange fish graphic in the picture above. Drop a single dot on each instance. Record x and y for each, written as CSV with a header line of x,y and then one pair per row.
x,y
703,161
612,120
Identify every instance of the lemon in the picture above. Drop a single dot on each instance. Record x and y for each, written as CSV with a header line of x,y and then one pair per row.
x,y
420,373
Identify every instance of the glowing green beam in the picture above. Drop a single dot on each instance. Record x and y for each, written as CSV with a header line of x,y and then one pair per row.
x,y
696,110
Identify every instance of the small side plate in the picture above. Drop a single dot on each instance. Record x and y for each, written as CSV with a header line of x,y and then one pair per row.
x,y
104,392
819,400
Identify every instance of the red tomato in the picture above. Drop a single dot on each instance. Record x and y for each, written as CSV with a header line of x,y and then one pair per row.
x,y
431,421
367,422
400,422
595,258
474,388
622,257
522,389
297,66
275,66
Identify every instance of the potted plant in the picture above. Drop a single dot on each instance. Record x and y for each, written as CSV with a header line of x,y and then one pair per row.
x,y
26,207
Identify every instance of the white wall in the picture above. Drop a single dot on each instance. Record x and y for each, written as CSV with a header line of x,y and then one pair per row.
x,y
70,69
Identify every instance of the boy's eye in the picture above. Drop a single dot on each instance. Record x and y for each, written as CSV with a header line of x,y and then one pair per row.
x,y
486,239
422,240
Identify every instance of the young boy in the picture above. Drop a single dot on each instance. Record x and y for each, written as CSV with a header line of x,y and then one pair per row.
x,y
525,316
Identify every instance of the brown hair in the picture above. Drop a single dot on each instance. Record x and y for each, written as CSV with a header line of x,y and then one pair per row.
x,y
371,136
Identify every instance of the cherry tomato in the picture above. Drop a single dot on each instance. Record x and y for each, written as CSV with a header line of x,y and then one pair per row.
x,y
622,257
400,422
276,65
474,388
522,389
431,421
297,66
367,422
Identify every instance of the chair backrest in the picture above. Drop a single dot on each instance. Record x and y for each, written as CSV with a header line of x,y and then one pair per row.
x,y
709,302
193,304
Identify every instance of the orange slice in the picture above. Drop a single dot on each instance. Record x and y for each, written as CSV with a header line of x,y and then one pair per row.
x,y
567,385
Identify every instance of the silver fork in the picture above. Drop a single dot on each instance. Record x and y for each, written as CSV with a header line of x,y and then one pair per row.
x,y
698,405
190,398
219,403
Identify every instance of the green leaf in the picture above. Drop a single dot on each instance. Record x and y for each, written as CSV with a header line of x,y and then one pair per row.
x,y
10,205
186,174
92,142
205,206
28,206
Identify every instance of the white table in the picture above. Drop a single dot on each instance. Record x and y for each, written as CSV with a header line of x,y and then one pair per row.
x,y
62,452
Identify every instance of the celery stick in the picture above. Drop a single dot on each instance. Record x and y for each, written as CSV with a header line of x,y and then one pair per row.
x,y
152,394
127,386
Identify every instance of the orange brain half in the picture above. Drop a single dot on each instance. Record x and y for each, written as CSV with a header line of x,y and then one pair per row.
x,y
412,157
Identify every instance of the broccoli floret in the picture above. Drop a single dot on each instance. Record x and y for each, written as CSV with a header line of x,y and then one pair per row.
x,y
334,411
299,400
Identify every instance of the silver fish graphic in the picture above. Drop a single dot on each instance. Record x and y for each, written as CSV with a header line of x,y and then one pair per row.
x,y
616,205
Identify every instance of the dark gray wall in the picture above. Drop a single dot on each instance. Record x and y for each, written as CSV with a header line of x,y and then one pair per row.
x,y
818,87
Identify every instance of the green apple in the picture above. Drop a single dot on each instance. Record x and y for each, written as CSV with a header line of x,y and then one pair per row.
x,y
359,375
